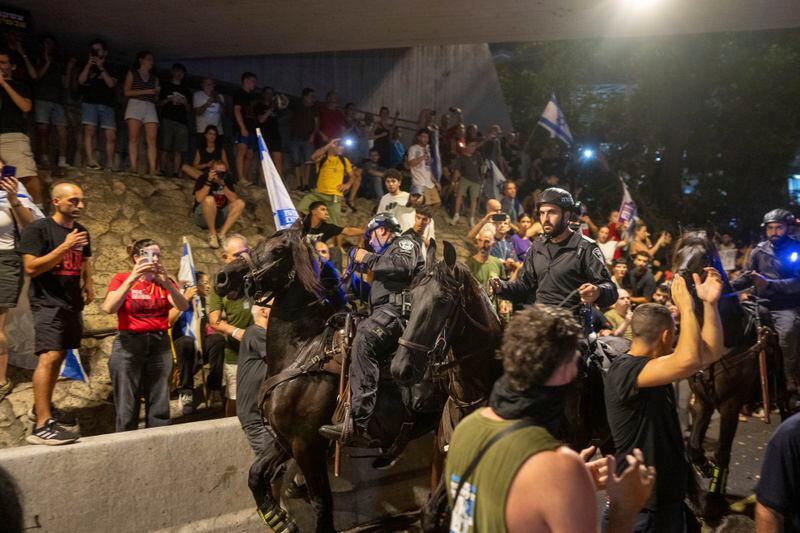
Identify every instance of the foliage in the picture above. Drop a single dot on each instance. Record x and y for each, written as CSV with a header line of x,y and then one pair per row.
x,y
721,110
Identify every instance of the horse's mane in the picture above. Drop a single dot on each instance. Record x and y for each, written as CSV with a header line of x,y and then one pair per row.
x,y
304,263
441,273
693,238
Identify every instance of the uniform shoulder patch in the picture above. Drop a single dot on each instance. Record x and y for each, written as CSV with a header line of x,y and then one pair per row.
x,y
405,245
598,254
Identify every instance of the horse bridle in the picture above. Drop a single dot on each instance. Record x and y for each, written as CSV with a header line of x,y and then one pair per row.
x,y
434,353
252,280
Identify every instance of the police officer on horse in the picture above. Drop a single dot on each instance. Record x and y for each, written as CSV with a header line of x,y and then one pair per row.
x,y
563,267
774,272
394,262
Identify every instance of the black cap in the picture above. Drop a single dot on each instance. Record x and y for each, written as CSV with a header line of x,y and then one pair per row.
x,y
778,215
557,196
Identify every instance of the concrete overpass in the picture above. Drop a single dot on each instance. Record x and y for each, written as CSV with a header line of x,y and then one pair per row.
x,y
213,28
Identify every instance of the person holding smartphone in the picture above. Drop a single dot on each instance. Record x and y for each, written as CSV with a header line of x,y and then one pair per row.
x,y
141,357
15,146
14,216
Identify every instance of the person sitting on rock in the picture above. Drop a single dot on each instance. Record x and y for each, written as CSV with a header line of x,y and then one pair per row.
x,y
216,205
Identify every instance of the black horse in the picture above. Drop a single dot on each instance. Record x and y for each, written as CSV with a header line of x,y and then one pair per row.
x,y
731,382
300,393
452,334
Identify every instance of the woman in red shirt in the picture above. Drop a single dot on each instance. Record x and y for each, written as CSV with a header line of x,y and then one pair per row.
x,y
141,358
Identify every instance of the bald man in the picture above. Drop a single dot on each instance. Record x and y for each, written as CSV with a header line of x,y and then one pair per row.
x,y
55,252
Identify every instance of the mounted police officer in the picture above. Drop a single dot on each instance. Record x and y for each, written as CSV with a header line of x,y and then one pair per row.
x,y
774,267
394,262
562,267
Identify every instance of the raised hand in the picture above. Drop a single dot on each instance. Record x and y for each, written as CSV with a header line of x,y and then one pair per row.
x,y
631,490
681,296
76,239
709,290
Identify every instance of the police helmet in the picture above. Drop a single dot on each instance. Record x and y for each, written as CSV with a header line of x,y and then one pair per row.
x,y
557,196
778,215
382,220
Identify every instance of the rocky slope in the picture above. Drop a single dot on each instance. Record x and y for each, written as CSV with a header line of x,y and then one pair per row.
x,y
120,208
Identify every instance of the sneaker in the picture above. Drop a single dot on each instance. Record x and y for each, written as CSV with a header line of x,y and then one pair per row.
x,y
62,162
471,222
62,417
51,434
213,241
186,401
94,165
5,389
454,220
215,399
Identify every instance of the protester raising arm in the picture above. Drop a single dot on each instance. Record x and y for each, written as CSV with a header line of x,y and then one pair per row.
x,y
695,349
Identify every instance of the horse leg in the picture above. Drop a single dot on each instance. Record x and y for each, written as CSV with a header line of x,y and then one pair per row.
x,y
701,418
312,458
437,463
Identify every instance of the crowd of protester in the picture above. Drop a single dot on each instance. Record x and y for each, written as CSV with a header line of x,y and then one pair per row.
x,y
333,156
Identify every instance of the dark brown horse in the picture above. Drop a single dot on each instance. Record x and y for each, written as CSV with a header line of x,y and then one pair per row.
x,y
302,395
731,382
452,334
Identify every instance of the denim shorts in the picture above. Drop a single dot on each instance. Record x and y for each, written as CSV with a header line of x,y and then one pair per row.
x,y
92,114
49,113
200,220
301,151
251,141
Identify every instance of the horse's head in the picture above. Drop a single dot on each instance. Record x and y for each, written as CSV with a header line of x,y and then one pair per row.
x,y
694,251
436,296
274,264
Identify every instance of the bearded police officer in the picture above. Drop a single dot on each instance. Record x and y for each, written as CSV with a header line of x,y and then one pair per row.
x,y
563,267
394,262
774,267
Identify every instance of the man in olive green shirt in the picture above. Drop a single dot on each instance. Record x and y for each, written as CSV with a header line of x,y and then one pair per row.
x,y
230,318
620,315
483,265
527,481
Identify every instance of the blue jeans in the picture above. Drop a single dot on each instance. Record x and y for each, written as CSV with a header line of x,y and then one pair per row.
x,y
140,365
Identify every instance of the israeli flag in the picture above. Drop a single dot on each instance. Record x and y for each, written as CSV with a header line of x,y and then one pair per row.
x,y
436,158
498,179
282,207
193,315
627,209
24,198
553,120
72,368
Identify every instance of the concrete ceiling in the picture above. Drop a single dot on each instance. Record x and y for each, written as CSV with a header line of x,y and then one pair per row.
x,y
213,28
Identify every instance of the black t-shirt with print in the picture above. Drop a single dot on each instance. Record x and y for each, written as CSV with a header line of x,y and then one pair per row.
x,y
216,189
647,418
12,119
61,285
175,112
323,232
779,486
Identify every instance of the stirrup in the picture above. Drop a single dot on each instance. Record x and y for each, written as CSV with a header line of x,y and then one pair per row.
x,y
277,518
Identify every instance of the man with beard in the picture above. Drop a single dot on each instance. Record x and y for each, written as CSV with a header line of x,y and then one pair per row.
x,y
774,272
563,267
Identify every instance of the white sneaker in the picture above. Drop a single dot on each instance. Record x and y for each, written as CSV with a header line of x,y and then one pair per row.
x,y
62,162
454,220
471,221
186,401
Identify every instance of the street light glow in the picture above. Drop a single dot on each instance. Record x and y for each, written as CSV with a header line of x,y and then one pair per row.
x,y
588,153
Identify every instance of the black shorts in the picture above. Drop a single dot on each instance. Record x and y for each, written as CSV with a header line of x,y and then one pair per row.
x,y
10,278
56,329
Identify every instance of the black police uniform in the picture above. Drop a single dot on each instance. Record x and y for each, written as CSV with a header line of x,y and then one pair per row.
x,y
376,337
782,297
549,280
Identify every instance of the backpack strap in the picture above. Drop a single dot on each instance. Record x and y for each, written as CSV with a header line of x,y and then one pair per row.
x,y
523,423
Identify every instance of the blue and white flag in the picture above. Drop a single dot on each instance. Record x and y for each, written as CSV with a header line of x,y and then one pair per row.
x,y
498,179
436,158
193,316
72,368
282,207
627,210
25,199
553,120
